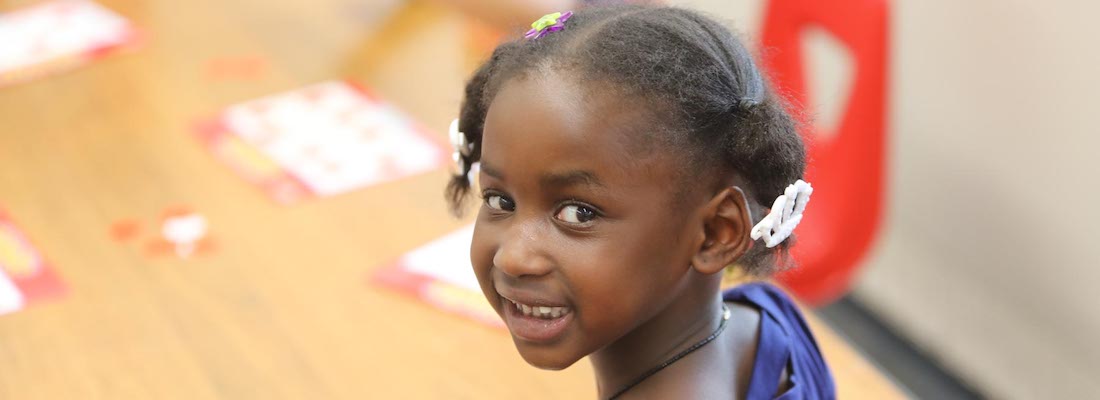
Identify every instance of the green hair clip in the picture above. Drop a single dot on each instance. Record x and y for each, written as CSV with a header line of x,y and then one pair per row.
x,y
548,23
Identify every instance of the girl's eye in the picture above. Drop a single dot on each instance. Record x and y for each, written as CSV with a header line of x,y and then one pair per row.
x,y
500,203
576,214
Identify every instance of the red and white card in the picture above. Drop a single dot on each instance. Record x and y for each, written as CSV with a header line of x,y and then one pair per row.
x,y
25,275
440,274
321,140
55,36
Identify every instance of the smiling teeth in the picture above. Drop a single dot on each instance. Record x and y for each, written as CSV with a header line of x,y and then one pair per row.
x,y
540,311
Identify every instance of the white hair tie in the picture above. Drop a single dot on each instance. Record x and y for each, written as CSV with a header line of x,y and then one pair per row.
x,y
462,147
785,214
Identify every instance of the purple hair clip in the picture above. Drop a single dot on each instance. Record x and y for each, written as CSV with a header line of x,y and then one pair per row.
x,y
548,23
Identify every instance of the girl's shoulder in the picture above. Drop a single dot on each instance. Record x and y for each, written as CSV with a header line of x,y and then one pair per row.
x,y
785,342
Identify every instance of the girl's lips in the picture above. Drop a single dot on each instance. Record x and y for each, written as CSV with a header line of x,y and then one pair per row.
x,y
539,324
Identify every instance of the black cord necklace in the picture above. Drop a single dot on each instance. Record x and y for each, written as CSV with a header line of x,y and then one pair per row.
x,y
675,358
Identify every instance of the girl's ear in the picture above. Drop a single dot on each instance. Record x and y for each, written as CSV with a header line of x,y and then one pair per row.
x,y
726,225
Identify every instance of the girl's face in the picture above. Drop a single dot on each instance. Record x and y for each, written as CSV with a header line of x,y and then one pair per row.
x,y
576,241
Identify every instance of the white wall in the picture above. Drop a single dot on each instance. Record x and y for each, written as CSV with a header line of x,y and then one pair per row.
x,y
988,257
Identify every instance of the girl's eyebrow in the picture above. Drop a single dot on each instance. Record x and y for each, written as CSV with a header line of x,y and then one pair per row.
x,y
491,171
553,179
570,178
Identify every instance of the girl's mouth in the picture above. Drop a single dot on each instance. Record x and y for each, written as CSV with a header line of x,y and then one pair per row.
x,y
535,323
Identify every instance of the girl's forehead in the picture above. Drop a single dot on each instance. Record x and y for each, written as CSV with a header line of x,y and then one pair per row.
x,y
552,114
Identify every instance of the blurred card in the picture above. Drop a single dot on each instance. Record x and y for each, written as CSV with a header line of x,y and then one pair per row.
x,y
25,275
440,274
321,140
55,36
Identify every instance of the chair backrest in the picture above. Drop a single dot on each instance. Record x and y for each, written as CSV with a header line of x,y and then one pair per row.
x,y
846,166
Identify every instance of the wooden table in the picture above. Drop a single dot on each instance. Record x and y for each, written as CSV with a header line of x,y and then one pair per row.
x,y
282,309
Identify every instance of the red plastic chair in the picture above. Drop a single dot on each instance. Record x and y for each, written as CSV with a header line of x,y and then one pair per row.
x,y
846,166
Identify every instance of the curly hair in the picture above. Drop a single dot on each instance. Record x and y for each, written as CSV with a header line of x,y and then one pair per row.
x,y
717,106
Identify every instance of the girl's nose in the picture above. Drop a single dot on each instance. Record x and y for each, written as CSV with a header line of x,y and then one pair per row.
x,y
522,253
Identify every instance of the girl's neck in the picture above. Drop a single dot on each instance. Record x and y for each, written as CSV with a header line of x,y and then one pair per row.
x,y
685,321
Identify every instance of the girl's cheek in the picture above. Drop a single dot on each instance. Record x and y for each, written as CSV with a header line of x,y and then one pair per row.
x,y
481,251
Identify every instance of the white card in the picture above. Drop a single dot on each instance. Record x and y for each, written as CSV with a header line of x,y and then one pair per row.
x,y
334,138
58,29
446,259
11,299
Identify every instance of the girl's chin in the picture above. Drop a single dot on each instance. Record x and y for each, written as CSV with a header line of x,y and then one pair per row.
x,y
547,358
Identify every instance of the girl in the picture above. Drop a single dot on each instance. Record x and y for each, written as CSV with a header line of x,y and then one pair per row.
x,y
627,156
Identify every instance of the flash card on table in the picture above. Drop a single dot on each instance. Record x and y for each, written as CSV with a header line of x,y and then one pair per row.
x,y
25,275
56,36
440,274
318,141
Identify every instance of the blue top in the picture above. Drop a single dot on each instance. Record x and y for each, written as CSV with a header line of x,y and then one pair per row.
x,y
785,339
